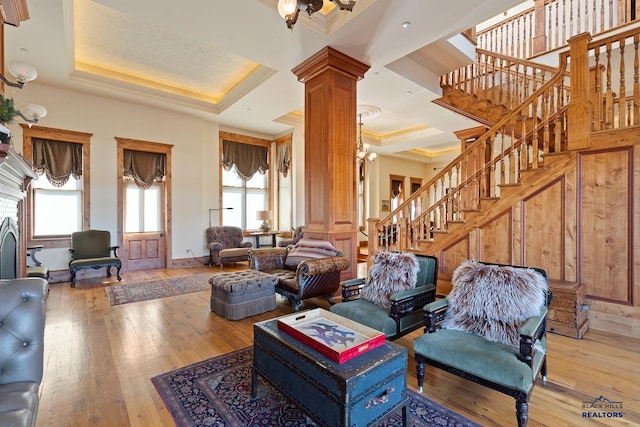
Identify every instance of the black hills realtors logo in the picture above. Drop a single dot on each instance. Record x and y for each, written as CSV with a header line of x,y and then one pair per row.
x,y
601,407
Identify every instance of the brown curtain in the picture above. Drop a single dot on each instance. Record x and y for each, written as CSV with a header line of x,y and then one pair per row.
x,y
247,158
57,160
283,162
143,167
396,188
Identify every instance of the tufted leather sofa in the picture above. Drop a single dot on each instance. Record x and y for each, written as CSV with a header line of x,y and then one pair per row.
x,y
310,278
22,318
225,245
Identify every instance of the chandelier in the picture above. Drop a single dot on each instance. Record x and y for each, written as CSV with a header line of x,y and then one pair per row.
x,y
290,9
362,149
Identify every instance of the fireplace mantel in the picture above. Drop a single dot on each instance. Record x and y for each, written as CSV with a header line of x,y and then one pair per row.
x,y
16,175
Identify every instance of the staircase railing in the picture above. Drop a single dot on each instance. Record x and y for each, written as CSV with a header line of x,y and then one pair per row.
x,y
497,78
516,143
550,23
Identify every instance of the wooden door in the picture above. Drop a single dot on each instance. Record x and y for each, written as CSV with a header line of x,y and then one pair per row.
x,y
143,251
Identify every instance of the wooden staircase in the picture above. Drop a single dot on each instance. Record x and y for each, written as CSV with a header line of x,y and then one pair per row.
x,y
553,182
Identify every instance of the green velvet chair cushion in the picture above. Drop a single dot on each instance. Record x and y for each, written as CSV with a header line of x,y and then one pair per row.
x,y
492,361
90,262
366,313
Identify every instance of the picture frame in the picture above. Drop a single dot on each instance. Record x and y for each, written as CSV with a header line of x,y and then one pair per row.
x,y
385,205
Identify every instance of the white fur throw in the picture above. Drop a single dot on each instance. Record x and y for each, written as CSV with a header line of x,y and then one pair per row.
x,y
390,273
494,301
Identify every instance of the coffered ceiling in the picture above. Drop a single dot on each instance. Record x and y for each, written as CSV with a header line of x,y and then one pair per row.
x,y
230,61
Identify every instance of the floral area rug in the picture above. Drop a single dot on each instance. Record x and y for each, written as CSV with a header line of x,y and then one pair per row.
x,y
134,292
217,392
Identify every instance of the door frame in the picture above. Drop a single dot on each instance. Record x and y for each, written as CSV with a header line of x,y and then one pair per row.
x,y
151,147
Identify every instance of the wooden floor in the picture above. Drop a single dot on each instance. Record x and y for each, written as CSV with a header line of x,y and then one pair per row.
x,y
99,359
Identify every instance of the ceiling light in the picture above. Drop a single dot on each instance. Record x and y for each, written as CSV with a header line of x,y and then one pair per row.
x,y
406,24
290,9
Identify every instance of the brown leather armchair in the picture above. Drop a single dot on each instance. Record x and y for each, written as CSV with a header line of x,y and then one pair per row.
x,y
308,279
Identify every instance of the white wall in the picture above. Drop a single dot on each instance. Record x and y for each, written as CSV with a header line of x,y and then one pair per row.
x,y
195,160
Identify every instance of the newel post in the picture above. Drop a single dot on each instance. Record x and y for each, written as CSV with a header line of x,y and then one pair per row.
x,y
539,31
579,107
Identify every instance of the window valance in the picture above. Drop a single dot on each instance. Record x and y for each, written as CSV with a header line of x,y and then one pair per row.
x,y
57,160
247,158
143,167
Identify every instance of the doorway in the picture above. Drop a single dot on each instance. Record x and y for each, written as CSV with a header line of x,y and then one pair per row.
x,y
144,198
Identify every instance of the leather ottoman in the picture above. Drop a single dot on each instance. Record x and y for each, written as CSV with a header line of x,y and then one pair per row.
x,y
241,294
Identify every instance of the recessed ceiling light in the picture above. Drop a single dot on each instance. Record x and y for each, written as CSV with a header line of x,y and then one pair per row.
x,y
406,24
408,93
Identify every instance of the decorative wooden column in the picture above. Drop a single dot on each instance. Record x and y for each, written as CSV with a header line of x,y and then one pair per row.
x,y
331,210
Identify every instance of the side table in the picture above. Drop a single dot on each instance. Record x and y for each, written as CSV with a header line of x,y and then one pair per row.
x,y
260,234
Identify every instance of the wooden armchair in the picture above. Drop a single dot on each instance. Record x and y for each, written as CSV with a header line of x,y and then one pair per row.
x,y
491,329
404,313
92,249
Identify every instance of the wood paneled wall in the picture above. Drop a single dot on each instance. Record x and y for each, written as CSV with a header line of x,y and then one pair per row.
x,y
578,220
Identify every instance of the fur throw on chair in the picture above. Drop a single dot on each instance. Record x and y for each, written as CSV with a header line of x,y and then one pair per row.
x,y
494,301
390,273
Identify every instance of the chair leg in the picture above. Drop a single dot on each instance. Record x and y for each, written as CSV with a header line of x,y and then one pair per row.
x,y
543,370
73,278
118,272
522,412
108,271
420,372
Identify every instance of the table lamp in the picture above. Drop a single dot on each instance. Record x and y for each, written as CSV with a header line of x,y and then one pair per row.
x,y
265,217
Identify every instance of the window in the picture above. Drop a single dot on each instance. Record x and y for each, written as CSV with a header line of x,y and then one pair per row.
x,y
245,197
143,213
252,194
53,213
57,211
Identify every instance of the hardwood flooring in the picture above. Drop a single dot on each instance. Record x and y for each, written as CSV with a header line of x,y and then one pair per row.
x,y
99,360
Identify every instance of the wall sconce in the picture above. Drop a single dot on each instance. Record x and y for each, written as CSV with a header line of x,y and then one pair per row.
x,y
22,72
31,113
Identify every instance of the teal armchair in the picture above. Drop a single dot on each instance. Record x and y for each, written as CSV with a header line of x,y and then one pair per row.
x,y
404,314
509,364
92,249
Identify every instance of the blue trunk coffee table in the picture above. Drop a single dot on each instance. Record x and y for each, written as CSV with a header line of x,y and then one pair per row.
x,y
358,392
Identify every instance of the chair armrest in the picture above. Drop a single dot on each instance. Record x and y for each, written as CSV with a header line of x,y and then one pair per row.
x,y
267,259
351,288
412,293
115,250
214,246
532,325
244,244
313,267
434,313
411,300
531,331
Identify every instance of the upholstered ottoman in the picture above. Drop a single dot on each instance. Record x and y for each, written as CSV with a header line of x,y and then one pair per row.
x,y
241,294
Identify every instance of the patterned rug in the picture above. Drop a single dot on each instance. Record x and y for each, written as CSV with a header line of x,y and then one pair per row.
x,y
217,392
134,292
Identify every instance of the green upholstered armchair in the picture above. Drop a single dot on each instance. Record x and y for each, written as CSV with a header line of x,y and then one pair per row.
x,y
493,350
92,249
405,312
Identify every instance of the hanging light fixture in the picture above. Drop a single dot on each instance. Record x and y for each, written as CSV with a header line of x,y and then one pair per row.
x,y
31,113
362,150
290,9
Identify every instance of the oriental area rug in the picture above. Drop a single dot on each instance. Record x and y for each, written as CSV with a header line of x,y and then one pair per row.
x,y
217,392
143,291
